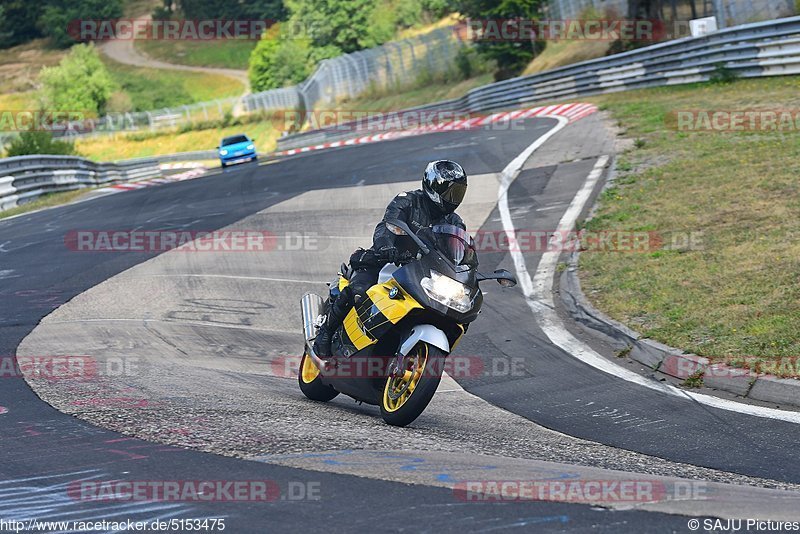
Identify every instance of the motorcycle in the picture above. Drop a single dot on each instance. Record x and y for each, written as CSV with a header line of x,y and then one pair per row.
x,y
391,348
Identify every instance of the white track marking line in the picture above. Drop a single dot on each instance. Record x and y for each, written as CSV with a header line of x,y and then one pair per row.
x,y
539,297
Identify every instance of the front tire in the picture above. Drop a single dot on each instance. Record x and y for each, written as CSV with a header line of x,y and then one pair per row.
x,y
311,382
406,397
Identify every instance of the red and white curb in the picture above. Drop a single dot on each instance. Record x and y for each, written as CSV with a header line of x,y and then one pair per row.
x,y
130,186
182,165
572,112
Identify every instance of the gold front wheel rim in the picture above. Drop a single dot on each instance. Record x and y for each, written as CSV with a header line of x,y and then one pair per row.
x,y
309,371
399,389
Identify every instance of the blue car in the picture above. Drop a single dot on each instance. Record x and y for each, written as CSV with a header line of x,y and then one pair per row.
x,y
236,149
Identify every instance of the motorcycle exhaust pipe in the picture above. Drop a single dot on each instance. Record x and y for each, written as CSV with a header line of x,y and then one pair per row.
x,y
310,305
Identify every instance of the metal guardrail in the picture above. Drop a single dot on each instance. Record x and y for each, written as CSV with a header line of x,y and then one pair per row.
x,y
349,129
25,178
752,50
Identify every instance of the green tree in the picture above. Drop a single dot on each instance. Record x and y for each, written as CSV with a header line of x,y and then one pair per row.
x,y
262,65
511,56
226,9
18,22
341,23
39,142
280,59
80,82
60,19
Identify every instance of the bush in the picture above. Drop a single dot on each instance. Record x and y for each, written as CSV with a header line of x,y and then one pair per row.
x,y
261,69
281,59
722,74
39,142
80,82
469,63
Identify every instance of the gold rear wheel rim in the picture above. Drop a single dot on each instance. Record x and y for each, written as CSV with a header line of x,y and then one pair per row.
x,y
308,371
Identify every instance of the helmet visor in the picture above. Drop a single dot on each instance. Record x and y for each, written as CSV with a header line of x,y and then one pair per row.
x,y
453,192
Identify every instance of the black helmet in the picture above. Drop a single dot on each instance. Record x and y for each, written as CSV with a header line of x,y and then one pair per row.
x,y
445,183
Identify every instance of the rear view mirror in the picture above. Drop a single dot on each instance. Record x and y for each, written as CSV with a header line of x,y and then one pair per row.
x,y
403,227
505,278
396,230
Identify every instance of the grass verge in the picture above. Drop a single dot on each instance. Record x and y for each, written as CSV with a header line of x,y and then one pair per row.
x,y
735,295
227,54
561,53
20,66
150,89
143,144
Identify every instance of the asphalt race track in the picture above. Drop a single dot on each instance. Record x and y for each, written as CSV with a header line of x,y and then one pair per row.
x,y
213,334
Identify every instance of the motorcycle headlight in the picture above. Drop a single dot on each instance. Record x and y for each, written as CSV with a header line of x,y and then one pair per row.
x,y
447,291
223,152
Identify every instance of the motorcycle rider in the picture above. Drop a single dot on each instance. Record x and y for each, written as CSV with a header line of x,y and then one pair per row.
x,y
444,184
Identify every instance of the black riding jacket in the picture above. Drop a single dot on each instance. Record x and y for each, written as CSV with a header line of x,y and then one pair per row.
x,y
417,211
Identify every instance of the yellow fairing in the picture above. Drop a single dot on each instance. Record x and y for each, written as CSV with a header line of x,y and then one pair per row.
x,y
393,309
355,331
343,282
309,370
455,343
376,312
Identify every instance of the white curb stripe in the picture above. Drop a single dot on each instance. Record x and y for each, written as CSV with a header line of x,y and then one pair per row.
x,y
539,297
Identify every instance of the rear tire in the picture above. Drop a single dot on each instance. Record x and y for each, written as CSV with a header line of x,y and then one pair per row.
x,y
310,382
425,379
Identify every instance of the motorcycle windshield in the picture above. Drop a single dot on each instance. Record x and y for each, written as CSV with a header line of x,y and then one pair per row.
x,y
456,244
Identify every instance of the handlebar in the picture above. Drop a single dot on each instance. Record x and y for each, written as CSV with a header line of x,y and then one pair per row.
x,y
406,257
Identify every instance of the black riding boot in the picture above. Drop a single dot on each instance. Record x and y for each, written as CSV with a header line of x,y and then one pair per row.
x,y
336,315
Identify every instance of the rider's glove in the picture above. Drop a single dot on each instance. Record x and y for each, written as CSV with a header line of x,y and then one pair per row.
x,y
406,257
389,254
